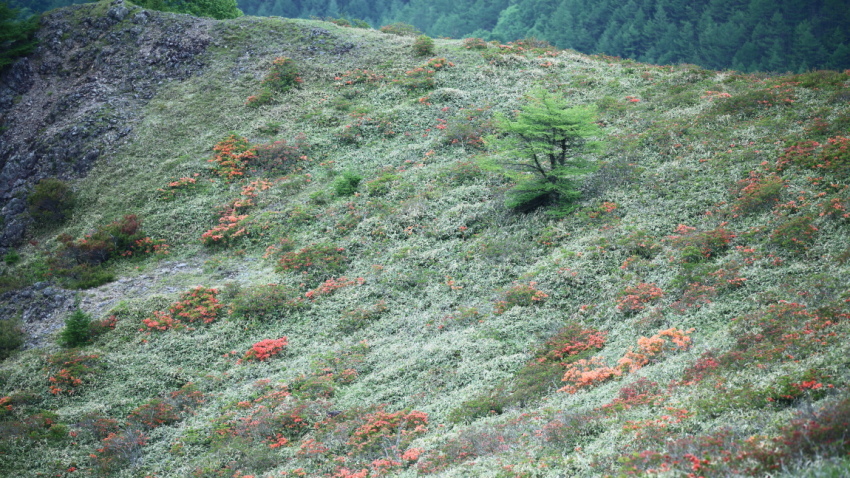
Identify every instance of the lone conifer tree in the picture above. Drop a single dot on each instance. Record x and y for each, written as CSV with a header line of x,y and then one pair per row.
x,y
543,149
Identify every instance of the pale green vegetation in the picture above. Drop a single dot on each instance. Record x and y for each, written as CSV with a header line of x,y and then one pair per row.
x,y
375,242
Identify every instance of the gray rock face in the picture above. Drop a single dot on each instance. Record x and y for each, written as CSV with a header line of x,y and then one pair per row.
x,y
77,97
41,308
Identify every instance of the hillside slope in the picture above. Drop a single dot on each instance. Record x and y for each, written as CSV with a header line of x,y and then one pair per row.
x,y
326,281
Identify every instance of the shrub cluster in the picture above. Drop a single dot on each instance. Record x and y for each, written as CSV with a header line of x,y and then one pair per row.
x,y
423,46
77,261
199,305
51,202
400,29
11,336
281,77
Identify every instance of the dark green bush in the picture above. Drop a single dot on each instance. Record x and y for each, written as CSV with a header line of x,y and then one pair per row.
x,y
11,336
283,75
266,302
346,184
479,407
16,37
50,202
423,46
11,258
77,329
795,235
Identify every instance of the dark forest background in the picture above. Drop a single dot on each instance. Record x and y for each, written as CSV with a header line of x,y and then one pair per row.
x,y
745,35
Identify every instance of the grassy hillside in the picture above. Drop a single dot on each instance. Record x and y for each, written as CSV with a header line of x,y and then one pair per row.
x,y
691,317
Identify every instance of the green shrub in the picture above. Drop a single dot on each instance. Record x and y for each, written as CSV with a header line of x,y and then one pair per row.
x,y
76,331
11,336
474,44
423,46
77,262
794,235
401,29
319,261
478,407
50,202
757,192
346,184
283,75
265,302
12,257
382,184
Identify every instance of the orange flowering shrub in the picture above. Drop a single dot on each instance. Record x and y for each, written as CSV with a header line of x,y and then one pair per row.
x,y
397,428
265,349
586,373
650,348
634,298
232,156
174,188
70,370
197,305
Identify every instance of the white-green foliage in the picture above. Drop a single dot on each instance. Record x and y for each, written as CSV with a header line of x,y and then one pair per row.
x,y
431,239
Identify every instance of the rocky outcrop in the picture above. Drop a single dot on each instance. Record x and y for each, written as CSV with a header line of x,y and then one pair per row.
x,y
80,93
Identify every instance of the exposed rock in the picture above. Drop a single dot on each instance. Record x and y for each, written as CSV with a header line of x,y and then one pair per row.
x,y
77,97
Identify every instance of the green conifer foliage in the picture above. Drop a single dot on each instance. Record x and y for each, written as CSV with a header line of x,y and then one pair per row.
x,y
543,150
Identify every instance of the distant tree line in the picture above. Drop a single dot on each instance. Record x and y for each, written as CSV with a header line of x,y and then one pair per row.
x,y
745,35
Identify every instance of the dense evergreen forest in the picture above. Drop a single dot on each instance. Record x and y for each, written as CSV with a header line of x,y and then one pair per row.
x,y
745,35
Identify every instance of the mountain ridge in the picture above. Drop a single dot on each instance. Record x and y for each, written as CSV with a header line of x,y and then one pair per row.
x,y
344,289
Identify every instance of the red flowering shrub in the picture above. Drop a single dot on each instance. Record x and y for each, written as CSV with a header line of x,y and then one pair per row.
x,y
119,450
831,157
795,235
391,432
265,349
197,305
318,261
634,298
70,370
699,246
757,192
275,418
281,156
